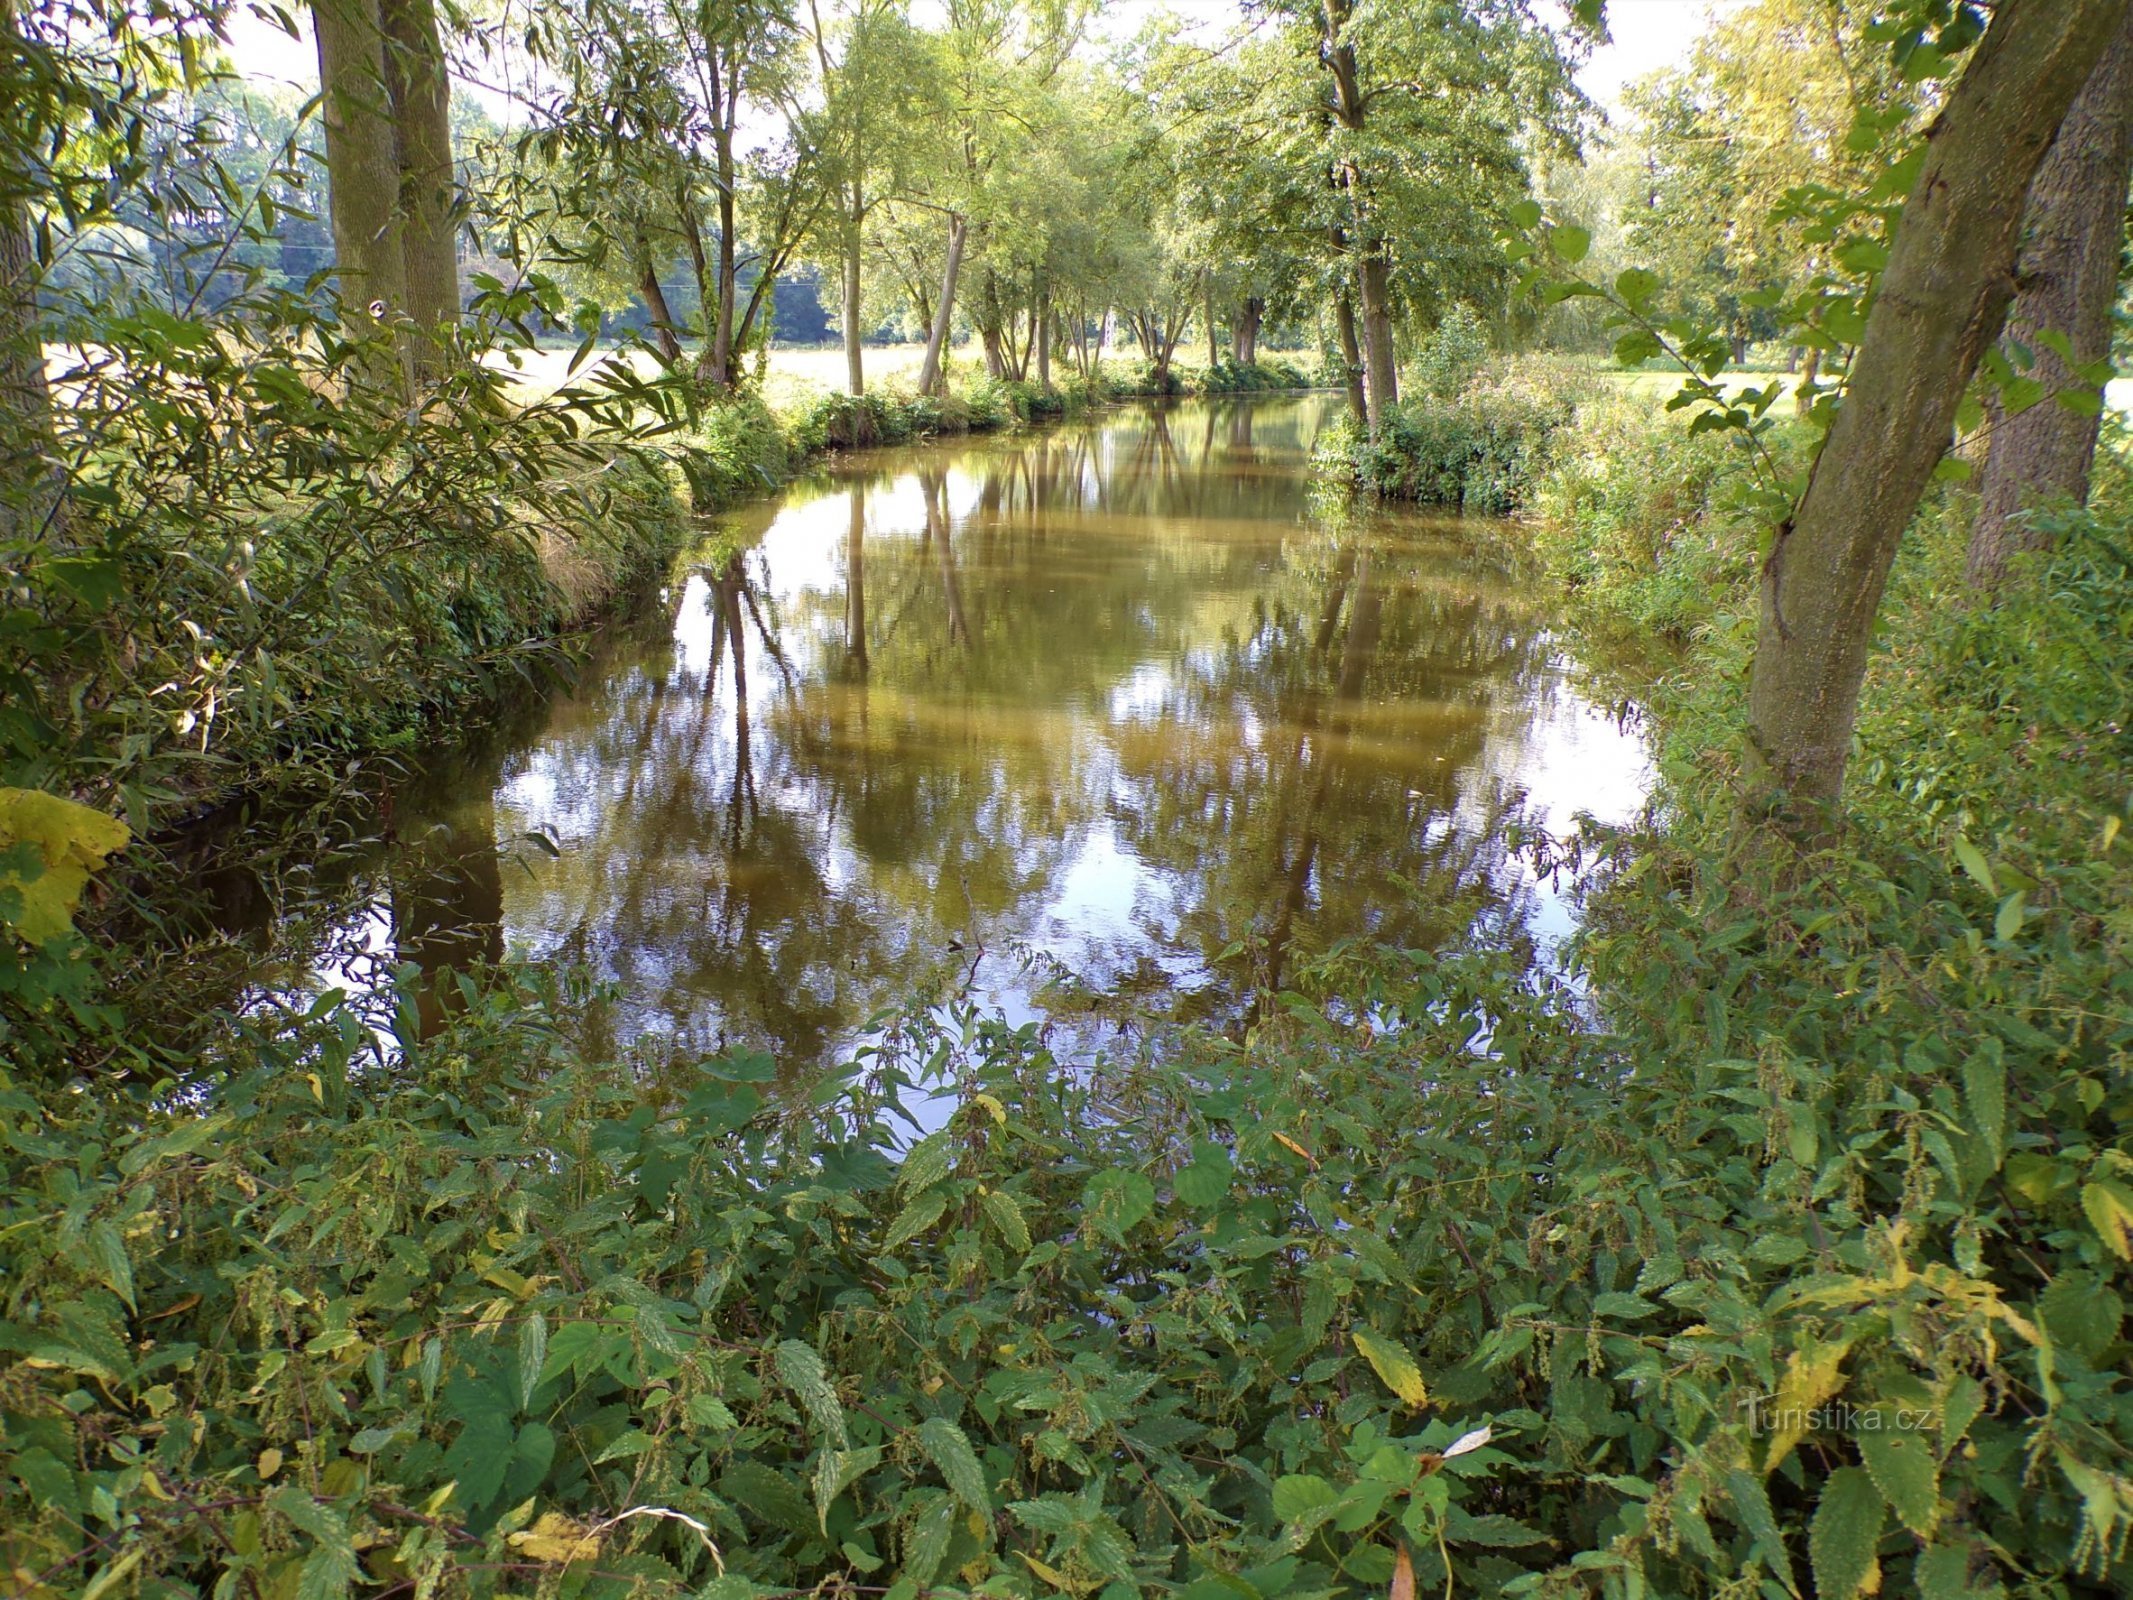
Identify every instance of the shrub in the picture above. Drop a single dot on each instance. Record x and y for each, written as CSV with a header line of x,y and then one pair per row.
x,y
1269,373
1454,354
1482,451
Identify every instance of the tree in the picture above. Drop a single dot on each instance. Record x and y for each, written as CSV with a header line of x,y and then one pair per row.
x,y
419,90
28,493
362,158
1940,301
2069,274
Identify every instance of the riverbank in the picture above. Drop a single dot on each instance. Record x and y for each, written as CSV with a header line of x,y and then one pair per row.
x,y
1830,1206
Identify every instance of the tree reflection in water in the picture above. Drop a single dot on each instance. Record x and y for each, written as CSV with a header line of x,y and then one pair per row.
x,y
1122,695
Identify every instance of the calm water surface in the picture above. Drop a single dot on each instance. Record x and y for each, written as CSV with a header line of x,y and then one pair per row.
x,y
1122,700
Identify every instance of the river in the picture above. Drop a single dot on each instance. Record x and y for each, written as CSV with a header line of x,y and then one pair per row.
x,y
1115,714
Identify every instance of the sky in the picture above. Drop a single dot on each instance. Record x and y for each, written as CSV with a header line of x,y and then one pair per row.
x,y
1646,35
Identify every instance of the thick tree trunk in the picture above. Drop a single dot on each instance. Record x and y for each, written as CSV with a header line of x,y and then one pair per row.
x,y
420,91
1940,303
855,378
1381,369
2069,285
929,373
1351,359
1244,331
362,159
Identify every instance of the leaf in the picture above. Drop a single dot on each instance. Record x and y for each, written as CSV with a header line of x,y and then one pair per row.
x,y
1469,1441
948,1447
1571,242
1298,1494
925,1165
532,1356
70,841
108,1250
558,1538
1117,1200
1753,1504
1847,1528
2110,1212
915,1218
1393,1365
2009,921
927,1541
1205,1183
1638,286
1985,1093
1403,1576
1900,1461
1526,214
1812,1376
1004,1212
803,1373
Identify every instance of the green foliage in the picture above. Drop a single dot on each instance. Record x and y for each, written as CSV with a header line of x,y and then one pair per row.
x,y
1269,374
1453,355
1483,450
1644,517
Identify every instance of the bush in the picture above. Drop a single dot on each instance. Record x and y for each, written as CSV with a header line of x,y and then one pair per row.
x,y
1454,354
1483,451
1269,374
1639,515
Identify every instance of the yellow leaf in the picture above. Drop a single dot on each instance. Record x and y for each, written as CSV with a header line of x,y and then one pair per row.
x,y
269,1462
992,1106
2110,1211
1051,1575
1811,1377
1299,1149
72,841
1390,1360
1403,1576
555,1537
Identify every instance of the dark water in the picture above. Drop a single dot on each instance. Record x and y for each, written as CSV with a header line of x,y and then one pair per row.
x,y
1123,700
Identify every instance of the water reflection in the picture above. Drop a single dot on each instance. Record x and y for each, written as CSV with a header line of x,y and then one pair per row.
x,y
1123,696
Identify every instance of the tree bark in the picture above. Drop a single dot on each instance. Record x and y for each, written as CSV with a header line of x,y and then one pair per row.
x,y
1244,331
31,480
419,89
362,159
2068,280
1810,368
1381,368
855,378
1939,305
1046,330
929,374
655,301
719,369
1207,306
1351,359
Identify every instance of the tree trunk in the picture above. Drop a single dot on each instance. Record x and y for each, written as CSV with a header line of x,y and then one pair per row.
x,y
719,368
1351,358
1207,305
1381,368
929,374
855,377
420,91
1803,400
655,301
1244,332
855,583
1939,305
362,159
1045,333
2069,285
31,481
